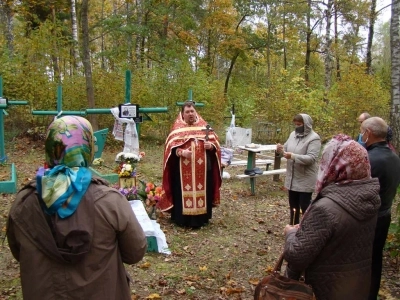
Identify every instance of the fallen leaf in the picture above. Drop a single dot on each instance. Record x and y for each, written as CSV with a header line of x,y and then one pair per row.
x,y
262,252
231,283
162,282
181,292
231,291
254,281
203,268
228,276
153,296
146,265
269,269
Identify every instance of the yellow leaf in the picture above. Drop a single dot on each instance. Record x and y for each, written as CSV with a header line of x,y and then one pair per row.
x,y
203,268
146,265
153,296
268,269
254,281
231,291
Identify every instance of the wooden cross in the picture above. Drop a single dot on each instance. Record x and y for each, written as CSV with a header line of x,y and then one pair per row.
x,y
207,130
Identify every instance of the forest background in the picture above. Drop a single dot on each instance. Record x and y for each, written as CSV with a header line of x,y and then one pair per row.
x,y
271,59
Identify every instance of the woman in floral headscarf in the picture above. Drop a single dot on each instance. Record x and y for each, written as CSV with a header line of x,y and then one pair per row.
x,y
70,232
333,243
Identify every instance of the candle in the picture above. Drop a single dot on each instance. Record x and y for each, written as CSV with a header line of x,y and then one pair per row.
x,y
294,215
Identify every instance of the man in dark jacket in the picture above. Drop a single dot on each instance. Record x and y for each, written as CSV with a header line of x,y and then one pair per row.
x,y
385,166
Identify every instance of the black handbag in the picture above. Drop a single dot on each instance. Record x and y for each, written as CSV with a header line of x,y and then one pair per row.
x,y
278,287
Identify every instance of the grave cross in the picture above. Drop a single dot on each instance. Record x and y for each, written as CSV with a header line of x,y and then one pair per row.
x,y
207,130
87,111
9,186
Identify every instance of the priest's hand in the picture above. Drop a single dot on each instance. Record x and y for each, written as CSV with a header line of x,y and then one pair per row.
x,y
186,153
207,145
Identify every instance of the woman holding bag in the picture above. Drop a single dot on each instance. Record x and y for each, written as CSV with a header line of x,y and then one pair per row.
x,y
333,242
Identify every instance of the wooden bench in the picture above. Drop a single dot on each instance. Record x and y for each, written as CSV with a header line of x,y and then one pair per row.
x,y
267,162
271,172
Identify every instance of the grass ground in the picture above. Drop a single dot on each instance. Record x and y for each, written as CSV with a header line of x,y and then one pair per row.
x,y
223,260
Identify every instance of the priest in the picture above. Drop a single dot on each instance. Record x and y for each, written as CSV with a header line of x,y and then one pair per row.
x,y
191,170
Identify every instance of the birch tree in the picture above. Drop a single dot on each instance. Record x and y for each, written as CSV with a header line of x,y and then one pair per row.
x,y
6,20
75,38
327,48
395,71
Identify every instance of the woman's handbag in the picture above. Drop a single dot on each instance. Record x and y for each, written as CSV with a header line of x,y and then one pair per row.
x,y
278,287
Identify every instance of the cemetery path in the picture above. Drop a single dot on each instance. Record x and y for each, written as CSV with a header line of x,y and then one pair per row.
x,y
223,260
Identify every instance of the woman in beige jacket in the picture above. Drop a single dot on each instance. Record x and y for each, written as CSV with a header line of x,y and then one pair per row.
x,y
301,150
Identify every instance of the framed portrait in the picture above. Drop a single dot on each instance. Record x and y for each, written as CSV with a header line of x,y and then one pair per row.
x,y
127,182
128,110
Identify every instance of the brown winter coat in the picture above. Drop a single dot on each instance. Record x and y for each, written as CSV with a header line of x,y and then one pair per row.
x,y
80,257
334,242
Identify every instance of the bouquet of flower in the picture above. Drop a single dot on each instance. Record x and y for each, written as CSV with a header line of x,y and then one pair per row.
x,y
127,164
150,194
129,193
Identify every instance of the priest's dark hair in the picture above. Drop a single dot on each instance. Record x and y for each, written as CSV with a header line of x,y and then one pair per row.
x,y
188,104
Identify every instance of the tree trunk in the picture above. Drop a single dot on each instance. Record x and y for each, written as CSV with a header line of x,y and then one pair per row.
x,y
328,54
269,50
75,36
129,42
308,43
337,53
354,51
395,72
138,46
86,62
208,54
7,19
284,38
54,57
103,63
233,60
372,17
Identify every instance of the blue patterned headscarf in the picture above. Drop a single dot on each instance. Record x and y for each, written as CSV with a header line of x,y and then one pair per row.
x,y
69,151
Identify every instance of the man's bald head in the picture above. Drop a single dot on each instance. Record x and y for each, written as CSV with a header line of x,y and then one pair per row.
x,y
375,130
363,117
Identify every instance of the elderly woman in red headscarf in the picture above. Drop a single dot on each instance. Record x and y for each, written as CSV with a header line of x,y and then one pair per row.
x,y
333,242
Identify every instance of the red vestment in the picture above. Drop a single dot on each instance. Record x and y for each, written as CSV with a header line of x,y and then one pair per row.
x,y
192,171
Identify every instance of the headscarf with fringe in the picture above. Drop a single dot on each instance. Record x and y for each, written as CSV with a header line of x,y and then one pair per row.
x,y
343,160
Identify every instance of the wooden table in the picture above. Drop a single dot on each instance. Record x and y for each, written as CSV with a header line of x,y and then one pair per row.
x,y
251,160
